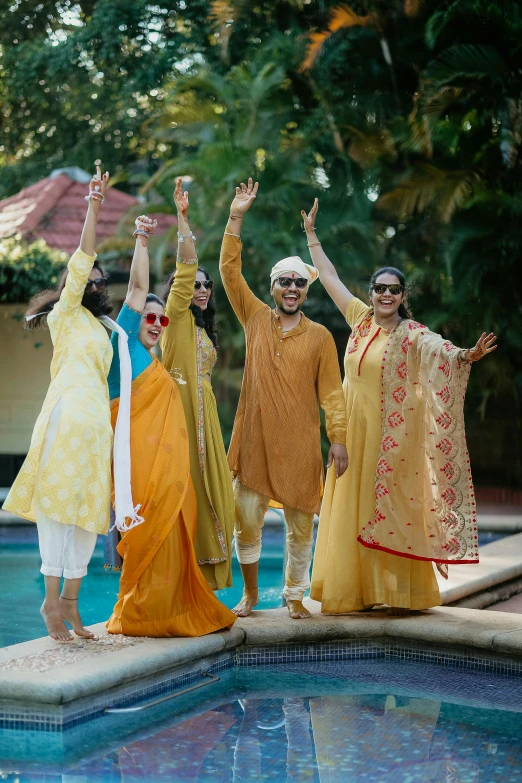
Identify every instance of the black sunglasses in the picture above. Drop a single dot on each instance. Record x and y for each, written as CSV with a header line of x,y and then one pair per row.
x,y
207,283
394,288
286,282
98,282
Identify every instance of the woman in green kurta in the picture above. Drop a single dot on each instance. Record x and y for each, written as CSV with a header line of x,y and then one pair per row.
x,y
189,353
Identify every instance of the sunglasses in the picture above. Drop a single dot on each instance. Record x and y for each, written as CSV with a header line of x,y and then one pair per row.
x,y
151,319
380,288
98,282
286,282
208,284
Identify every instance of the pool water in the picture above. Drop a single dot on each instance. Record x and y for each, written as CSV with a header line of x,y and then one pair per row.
x,y
22,585
357,721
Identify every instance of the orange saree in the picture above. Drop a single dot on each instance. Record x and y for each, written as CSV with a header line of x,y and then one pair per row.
x,y
162,591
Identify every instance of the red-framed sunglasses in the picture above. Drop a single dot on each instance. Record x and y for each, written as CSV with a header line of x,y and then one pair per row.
x,y
151,319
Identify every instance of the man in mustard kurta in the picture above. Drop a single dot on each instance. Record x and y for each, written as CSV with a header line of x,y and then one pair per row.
x,y
291,368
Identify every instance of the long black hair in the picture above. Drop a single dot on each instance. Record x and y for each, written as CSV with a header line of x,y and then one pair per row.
x,y
206,319
404,310
43,302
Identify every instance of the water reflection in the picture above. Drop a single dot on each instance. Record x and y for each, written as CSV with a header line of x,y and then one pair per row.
x,y
324,738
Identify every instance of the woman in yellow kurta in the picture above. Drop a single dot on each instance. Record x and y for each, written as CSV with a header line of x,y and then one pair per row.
x,y
162,591
189,353
407,496
64,484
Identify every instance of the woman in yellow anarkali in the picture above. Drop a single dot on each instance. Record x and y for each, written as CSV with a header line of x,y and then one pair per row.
x,y
189,353
406,500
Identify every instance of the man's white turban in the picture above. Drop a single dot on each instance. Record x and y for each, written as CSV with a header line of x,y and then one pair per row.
x,y
294,264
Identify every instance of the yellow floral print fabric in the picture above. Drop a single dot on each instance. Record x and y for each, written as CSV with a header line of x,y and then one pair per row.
x,y
74,485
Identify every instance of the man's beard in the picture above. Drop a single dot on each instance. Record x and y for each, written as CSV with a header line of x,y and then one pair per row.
x,y
290,312
97,302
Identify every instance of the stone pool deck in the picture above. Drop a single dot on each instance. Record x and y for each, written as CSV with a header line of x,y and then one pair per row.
x,y
43,672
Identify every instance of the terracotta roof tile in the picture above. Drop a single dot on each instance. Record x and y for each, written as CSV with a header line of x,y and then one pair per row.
x,y
54,209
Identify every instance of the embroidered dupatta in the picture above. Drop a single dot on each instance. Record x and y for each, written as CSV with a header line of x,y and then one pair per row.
x,y
424,498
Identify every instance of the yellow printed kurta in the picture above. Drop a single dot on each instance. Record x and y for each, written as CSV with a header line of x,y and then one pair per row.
x,y
188,354
287,376
347,576
75,484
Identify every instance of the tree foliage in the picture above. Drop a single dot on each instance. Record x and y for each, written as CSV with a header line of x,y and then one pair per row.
x,y
403,116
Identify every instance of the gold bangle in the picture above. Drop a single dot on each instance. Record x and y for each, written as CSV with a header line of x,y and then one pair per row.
x,y
314,244
234,217
309,230
228,234
187,260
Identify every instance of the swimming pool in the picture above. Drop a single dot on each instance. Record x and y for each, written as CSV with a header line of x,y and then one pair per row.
x,y
366,720
22,585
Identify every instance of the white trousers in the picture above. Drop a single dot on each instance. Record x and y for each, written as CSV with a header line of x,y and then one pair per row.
x,y
251,507
65,550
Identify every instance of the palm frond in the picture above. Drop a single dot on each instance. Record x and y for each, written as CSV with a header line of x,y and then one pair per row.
x,y
467,61
343,17
445,191
366,148
413,8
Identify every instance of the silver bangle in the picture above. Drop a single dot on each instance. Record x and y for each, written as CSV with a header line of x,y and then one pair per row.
x,y
95,196
182,237
228,234
139,232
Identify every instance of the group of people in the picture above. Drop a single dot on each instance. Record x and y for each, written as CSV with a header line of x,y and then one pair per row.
x,y
167,489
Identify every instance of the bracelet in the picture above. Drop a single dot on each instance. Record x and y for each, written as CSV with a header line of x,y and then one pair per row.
x,y
95,196
309,231
228,234
193,260
461,356
314,244
140,232
234,217
182,237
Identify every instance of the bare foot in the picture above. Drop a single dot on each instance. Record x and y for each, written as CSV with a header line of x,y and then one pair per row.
x,y
397,611
247,603
70,613
297,611
53,619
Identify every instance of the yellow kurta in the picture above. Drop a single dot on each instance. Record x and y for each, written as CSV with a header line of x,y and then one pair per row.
x,y
75,484
188,355
347,576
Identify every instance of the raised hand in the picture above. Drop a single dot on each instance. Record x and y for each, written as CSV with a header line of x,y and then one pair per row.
x,y
244,198
485,345
181,199
309,220
98,186
145,227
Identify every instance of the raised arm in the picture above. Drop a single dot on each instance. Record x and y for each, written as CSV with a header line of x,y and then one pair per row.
x,y
81,262
327,272
139,273
243,301
182,289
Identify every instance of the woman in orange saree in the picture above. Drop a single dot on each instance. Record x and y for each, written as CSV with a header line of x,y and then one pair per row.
x,y
162,591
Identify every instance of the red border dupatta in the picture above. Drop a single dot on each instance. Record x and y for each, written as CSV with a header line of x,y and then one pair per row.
x,y
424,498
